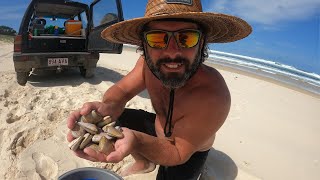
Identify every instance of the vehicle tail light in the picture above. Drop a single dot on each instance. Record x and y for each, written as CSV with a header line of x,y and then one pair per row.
x,y
17,43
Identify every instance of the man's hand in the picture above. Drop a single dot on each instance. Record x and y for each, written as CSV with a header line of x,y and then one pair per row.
x,y
103,109
123,147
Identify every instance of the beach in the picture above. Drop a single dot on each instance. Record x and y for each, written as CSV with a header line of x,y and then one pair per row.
x,y
271,132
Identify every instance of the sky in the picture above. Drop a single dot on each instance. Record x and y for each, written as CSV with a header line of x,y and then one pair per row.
x,y
284,31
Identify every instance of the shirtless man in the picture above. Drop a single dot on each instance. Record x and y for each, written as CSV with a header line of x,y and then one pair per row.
x,y
191,100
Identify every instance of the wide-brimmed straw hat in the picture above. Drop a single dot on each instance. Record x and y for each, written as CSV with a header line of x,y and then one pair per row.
x,y
219,28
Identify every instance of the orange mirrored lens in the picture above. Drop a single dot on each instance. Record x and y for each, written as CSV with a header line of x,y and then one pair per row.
x,y
187,39
157,39
184,38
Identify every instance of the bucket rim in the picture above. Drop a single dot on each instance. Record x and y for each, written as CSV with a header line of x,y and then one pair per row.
x,y
89,169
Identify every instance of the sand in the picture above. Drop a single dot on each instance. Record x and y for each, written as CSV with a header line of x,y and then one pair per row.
x,y
272,131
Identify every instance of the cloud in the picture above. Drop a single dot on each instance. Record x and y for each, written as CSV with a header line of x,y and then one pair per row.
x,y
268,12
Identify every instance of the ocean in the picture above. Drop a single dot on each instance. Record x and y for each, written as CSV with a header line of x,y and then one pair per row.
x,y
276,71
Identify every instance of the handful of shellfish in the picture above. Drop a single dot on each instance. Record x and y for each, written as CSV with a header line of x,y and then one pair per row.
x,y
96,132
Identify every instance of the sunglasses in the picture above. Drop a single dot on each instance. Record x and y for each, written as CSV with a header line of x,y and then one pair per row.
x,y
185,38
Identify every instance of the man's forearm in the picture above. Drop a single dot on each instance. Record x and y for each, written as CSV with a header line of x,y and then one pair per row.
x,y
158,150
117,99
115,94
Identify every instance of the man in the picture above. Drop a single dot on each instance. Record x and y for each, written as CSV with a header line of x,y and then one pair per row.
x,y
191,100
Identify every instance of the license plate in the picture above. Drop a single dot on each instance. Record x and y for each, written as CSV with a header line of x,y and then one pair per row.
x,y
57,61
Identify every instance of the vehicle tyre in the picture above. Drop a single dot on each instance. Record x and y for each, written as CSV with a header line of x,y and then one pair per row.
x,y
22,78
87,73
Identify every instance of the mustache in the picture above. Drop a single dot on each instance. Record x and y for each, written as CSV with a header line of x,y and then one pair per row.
x,y
175,60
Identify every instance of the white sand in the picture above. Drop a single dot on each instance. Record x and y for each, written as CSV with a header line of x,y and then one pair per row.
x,y
272,131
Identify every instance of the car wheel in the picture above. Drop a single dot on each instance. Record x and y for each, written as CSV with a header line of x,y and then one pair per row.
x,y
87,73
22,78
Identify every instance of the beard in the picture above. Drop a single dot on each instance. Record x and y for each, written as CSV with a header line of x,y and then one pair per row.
x,y
173,80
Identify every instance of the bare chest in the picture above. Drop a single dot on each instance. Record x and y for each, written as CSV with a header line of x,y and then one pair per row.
x,y
160,98
160,101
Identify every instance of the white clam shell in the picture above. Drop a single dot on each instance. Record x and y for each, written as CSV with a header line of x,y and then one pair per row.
x,y
112,131
77,131
90,128
93,117
97,137
106,146
86,140
74,145
106,120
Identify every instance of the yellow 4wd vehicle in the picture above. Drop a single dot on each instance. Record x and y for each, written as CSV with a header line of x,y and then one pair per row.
x,y
59,34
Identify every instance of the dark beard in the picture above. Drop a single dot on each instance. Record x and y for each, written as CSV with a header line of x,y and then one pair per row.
x,y
173,80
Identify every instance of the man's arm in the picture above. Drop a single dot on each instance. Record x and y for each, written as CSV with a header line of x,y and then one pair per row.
x,y
194,132
113,103
203,114
128,87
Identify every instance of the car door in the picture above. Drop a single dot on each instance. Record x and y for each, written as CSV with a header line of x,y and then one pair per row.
x,y
103,13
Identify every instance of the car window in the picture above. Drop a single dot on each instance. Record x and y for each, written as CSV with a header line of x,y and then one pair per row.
x,y
53,18
105,12
53,21
46,25
84,19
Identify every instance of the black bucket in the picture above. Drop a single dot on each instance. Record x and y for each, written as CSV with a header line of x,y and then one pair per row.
x,y
89,173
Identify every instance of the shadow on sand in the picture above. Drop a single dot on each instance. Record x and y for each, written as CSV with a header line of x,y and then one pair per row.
x,y
72,77
219,166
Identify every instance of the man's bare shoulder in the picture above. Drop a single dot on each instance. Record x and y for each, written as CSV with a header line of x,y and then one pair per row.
x,y
212,74
209,82
205,105
210,94
205,91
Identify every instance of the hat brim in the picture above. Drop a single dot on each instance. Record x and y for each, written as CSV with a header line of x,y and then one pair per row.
x,y
220,28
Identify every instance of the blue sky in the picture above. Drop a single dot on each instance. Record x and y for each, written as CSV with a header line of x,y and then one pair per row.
x,y
285,31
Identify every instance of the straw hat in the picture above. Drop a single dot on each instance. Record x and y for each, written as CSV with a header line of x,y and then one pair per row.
x,y
219,28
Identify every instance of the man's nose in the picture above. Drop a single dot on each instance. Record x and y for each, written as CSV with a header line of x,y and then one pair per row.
x,y
173,49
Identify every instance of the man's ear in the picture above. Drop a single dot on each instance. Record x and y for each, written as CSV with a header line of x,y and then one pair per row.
x,y
145,47
202,41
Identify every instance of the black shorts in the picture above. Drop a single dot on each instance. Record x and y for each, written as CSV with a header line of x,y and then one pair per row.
x,y
143,121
